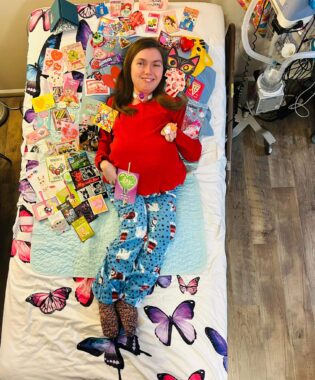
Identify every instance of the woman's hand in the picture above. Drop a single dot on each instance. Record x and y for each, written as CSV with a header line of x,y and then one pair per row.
x,y
109,171
169,132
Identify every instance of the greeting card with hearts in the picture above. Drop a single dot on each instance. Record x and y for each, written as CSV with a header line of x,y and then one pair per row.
x,y
126,186
53,61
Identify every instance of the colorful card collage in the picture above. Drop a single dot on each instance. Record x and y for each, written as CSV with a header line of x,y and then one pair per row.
x,y
69,193
69,189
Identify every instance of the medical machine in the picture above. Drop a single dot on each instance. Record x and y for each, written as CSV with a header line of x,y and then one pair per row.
x,y
289,16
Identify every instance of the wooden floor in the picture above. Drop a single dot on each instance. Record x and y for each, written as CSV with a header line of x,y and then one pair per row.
x,y
270,248
10,142
271,255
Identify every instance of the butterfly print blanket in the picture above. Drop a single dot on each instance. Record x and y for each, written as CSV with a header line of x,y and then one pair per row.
x,y
51,327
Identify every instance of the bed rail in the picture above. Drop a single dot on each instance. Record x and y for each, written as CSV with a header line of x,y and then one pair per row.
x,y
229,69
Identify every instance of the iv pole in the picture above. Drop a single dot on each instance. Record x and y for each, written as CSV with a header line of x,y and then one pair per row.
x,y
271,80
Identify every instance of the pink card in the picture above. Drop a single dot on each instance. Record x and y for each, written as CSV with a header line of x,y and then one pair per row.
x,y
37,135
126,186
152,24
69,131
96,87
53,61
44,209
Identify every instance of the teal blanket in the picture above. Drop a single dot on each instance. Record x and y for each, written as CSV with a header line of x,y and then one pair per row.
x,y
64,255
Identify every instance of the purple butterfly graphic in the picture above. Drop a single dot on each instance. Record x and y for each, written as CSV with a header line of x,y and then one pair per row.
x,y
219,344
183,312
83,33
163,282
111,349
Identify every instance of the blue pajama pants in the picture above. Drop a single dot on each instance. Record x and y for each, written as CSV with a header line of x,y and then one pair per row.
x,y
133,261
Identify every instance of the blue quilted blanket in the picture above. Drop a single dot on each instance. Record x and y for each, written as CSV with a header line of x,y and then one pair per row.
x,y
65,255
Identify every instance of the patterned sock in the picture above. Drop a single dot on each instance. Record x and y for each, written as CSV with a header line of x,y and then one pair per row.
x,y
128,315
109,320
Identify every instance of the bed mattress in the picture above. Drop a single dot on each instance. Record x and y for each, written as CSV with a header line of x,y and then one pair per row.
x,y
187,338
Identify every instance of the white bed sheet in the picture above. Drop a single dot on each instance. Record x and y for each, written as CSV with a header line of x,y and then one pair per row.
x,y
44,346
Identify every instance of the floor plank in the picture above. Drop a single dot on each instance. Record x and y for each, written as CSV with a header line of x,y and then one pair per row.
x,y
10,142
270,217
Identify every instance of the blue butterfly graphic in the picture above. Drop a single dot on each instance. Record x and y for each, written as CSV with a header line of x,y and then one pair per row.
x,y
34,71
111,349
219,344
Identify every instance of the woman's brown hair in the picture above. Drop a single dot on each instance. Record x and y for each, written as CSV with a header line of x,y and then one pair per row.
x,y
123,94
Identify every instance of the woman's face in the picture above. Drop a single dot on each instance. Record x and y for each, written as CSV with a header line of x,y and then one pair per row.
x,y
147,70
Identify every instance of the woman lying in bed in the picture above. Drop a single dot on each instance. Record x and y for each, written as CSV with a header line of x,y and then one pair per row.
x,y
146,138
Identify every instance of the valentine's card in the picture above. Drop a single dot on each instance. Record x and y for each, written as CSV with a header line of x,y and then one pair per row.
x,y
79,161
68,193
69,131
43,102
53,61
84,209
68,148
58,223
81,179
170,23
83,229
105,117
56,166
44,209
36,135
126,186
74,56
96,87
68,212
153,5
97,204
59,115
189,19
152,24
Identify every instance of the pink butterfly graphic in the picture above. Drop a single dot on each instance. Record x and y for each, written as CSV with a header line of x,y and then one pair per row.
x,y
50,302
19,247
83,292
22,249
37,15
192,286
198,375
163,331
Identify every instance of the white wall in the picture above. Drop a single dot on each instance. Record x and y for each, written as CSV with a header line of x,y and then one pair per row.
x,y
13,36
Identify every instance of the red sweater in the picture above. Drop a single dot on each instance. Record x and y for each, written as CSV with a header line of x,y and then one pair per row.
x,y
137,139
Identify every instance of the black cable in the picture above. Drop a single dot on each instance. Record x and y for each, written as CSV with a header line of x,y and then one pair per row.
x,y
304,37
249,59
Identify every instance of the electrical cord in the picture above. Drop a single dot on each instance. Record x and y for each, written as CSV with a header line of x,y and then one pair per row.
x,y
296,105
306,33
298,70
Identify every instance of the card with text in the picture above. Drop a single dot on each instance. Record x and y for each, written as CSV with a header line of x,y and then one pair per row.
x,y
83,229
126,186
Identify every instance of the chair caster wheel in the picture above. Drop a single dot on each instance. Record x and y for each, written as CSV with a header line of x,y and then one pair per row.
x,y
268,149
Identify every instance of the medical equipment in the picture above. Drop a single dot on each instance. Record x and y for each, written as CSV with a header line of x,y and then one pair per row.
x,y
270,89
